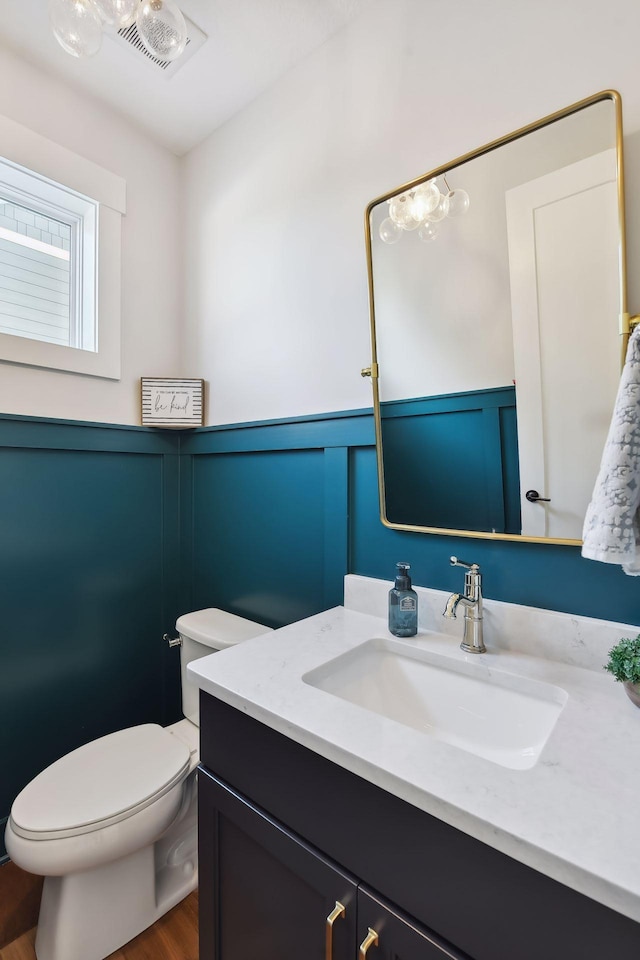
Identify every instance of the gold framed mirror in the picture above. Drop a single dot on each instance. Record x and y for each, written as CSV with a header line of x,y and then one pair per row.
x,y
497,291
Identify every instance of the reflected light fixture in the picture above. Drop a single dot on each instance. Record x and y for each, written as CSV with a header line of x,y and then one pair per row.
x,y
422,209
77,25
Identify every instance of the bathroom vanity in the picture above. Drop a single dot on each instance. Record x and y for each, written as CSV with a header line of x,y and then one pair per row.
x,y
328,829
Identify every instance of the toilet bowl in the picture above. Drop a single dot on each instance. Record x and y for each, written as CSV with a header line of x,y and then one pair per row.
x,y
112,826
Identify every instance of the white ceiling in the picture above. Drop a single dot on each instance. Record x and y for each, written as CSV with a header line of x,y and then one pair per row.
x,y
250,44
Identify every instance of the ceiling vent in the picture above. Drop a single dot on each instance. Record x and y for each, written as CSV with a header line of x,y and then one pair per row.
x,y
130,38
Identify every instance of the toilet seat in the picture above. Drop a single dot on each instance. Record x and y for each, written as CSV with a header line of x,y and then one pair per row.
x,y
112,826
101,783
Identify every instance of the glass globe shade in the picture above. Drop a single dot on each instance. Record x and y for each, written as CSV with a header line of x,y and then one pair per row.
x,y
401,212
399,209
76,26
161,28
440,212
426,198
390,231
117,13
428,231
458,203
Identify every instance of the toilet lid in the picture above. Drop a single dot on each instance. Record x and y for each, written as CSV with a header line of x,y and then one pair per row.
x,y
100,783
218,629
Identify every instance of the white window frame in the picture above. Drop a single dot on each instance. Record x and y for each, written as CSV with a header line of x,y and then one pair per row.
x,y
34,169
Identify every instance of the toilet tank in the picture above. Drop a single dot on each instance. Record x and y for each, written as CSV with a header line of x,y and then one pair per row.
x,y
203,633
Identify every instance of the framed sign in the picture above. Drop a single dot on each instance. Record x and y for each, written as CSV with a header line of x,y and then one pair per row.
x,y
172,403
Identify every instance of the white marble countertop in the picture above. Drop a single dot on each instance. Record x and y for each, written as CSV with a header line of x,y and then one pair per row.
x,y
572,816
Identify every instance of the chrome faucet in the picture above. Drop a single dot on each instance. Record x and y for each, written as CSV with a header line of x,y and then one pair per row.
x,y
471,600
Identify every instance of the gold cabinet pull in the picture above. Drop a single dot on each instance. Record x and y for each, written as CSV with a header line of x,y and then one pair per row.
x,y
338,911
371,939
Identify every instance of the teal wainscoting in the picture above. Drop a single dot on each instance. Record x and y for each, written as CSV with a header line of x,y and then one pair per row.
x,y
275,513
265,515
88,585
109,533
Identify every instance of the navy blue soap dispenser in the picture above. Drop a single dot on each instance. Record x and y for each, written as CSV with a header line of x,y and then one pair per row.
x,y
403,604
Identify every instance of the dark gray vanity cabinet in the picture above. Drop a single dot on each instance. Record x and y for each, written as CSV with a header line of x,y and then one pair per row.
x,y
286,834
265,893
268,894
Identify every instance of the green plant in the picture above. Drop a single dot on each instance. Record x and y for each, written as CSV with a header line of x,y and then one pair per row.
x,y
624,660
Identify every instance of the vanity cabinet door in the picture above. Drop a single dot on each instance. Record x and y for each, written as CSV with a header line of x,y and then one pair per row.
x,y
264,894
386,934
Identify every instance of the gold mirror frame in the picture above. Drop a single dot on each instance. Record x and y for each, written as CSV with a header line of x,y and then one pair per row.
x,y
626,322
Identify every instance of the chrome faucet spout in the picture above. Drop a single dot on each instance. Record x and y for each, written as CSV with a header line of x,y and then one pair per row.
x,y
453,603
471,600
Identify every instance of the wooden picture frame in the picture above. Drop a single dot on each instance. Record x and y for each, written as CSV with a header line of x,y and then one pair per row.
x,y
172,402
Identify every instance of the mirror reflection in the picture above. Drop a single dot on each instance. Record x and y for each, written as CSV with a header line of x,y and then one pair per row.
x,y
497,291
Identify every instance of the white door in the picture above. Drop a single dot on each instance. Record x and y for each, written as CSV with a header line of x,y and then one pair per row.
x,y
565,296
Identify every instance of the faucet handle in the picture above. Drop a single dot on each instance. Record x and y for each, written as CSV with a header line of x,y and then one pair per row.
x,y
461,563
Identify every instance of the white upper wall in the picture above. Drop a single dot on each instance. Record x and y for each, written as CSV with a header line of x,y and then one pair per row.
x,y
275,312
151,265
275,272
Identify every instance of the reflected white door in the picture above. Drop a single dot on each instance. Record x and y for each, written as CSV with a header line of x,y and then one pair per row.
x,y
565,296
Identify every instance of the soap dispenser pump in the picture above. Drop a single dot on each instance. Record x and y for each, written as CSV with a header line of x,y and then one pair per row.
x,y
403,604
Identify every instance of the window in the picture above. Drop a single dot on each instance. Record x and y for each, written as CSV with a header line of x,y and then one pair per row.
x,y
47,260
60,222
35,272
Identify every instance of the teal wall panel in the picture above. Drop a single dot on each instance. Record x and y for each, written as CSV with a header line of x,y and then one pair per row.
x,y
336,530
23,432
258,534
89,537
268,500
345,428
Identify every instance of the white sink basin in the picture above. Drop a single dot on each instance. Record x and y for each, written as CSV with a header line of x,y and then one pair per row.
x,y
499,716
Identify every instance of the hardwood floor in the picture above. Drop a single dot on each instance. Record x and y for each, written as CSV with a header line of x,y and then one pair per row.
x,y
19,902
172,937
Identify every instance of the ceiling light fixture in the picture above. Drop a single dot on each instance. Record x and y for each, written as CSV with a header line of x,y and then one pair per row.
x,y
77,24
117,13
161,28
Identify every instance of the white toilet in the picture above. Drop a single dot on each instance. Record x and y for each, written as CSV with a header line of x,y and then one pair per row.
x,y
112,826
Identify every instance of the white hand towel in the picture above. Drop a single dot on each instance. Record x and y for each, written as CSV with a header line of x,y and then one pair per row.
x,y
612,524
